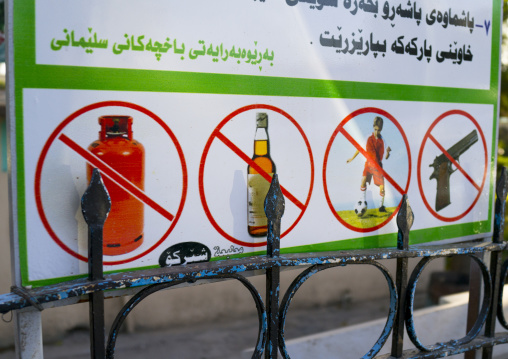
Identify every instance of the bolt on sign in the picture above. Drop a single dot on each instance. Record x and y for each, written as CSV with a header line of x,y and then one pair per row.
x,y
189,108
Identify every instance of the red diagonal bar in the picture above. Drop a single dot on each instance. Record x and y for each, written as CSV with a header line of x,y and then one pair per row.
x,y
115,176
254,165
371,160
455,163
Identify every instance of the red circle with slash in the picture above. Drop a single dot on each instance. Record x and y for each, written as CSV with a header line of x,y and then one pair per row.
x,y
216,134
427,136
340,129
58,135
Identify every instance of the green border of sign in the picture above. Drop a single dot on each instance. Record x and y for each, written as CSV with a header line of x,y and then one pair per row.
x,y
31,75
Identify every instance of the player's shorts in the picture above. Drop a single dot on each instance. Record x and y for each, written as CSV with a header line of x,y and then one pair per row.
x,y
370,172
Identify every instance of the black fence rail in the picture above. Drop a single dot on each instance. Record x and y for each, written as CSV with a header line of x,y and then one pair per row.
x,y
272,313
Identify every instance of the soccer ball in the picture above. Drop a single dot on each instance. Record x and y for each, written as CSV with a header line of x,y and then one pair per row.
x,y
361,208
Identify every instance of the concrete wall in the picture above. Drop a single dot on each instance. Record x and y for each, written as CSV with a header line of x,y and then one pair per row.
x,y
199,303
6,330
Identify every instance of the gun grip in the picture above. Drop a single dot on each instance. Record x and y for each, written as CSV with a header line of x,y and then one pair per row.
x,y
443,187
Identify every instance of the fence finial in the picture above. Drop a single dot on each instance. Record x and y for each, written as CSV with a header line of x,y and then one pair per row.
x,y
95,203
405,219
274,210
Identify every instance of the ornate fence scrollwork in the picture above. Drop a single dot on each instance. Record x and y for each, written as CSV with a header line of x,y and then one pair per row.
x,y
136,299
500,313
480,321
306,274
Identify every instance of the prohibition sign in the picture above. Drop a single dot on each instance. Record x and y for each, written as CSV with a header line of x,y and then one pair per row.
x,y
217,134
108,171
478,187
398,187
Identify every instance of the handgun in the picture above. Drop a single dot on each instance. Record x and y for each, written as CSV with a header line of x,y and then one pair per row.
x,y
443,168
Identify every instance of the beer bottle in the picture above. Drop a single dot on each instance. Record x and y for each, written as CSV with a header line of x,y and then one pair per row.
x,y
257,186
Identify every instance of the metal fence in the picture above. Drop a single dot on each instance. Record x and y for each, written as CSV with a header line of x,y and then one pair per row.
x,y
272,313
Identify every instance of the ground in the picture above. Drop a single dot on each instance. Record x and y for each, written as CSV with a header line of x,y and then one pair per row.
x,y
371,219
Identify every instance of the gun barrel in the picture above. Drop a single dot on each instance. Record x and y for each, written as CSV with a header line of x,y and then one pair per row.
x,y
457,149
463,145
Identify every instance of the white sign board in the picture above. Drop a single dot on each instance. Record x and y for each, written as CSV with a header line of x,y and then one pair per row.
x,y
188,108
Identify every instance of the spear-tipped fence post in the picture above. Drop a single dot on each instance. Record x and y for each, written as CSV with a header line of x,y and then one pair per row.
x,y
95,205
274,209
405,219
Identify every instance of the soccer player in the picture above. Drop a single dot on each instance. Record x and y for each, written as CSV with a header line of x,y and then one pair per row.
x,y
376,148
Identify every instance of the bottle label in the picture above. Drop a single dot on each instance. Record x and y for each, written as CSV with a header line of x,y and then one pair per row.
x,y
257,189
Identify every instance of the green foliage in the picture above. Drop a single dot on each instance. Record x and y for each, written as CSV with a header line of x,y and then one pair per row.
x,y
504,92
503,110
2,15
502,158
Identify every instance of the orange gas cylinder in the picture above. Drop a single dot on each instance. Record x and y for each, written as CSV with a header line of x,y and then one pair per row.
x,y
123,230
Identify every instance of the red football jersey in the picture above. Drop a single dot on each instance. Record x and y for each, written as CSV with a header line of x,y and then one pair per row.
x,y
376,148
